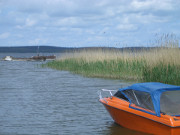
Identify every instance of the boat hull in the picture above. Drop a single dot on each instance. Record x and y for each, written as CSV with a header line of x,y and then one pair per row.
x,y
139,123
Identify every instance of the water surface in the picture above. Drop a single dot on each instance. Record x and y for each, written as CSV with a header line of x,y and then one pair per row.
x,y
42,101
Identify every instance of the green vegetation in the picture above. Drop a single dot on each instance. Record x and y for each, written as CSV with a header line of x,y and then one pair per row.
x,y
156,65
106,69
169,74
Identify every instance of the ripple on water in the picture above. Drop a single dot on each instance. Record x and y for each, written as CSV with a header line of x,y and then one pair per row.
x,y
36,101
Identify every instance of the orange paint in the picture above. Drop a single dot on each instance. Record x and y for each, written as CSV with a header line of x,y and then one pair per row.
x,y
141,121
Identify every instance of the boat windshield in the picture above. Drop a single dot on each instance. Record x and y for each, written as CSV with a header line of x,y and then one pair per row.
x,y
170,103
140,100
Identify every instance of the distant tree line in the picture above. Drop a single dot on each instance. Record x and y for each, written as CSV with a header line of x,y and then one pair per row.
x,y
34,49
52,49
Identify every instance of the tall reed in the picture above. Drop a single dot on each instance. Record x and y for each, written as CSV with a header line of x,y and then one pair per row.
x,y
161,64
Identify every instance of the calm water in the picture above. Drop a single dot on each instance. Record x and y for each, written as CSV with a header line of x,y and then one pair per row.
x,y
41,101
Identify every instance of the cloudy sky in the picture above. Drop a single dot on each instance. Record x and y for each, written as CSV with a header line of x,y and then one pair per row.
x,y
80,23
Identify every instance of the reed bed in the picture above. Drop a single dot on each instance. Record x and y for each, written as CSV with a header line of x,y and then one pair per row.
x,y
161,64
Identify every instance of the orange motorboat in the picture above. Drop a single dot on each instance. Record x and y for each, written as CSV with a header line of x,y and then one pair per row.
x,y
147,107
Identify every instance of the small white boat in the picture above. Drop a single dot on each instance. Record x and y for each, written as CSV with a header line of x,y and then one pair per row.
x,y
8,58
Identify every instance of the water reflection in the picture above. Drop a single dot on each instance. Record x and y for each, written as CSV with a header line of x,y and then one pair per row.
x,y
115,129
40,101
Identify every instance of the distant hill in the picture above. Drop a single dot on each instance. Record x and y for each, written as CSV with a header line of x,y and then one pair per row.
x,y
52,49
34,49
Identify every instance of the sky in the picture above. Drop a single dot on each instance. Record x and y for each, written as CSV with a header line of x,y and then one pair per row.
x,y
87,23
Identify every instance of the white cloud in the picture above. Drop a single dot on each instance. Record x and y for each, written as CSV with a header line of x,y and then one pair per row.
x,y
4,35
127,27
22,24
67,21
30,22
19,27
152,4
77,20
37,41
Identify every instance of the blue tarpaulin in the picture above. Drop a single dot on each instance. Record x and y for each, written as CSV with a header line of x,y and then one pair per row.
x,y
155,89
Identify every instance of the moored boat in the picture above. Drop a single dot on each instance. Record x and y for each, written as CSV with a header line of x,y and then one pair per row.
x,y
33,58
147,107
7,58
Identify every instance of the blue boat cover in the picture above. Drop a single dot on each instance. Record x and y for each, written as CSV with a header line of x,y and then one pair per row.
x,y
155,89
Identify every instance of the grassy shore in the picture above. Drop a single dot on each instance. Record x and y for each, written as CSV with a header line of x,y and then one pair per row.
x,y
161,64
158,65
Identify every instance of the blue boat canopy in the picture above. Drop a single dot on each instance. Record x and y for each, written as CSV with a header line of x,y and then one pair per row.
x,y
154,96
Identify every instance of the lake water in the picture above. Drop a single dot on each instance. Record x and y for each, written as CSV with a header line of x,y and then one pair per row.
x,y
42,101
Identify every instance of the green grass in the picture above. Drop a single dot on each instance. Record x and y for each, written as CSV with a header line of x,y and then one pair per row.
x,y
161,64
107,69
137,70
169,74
